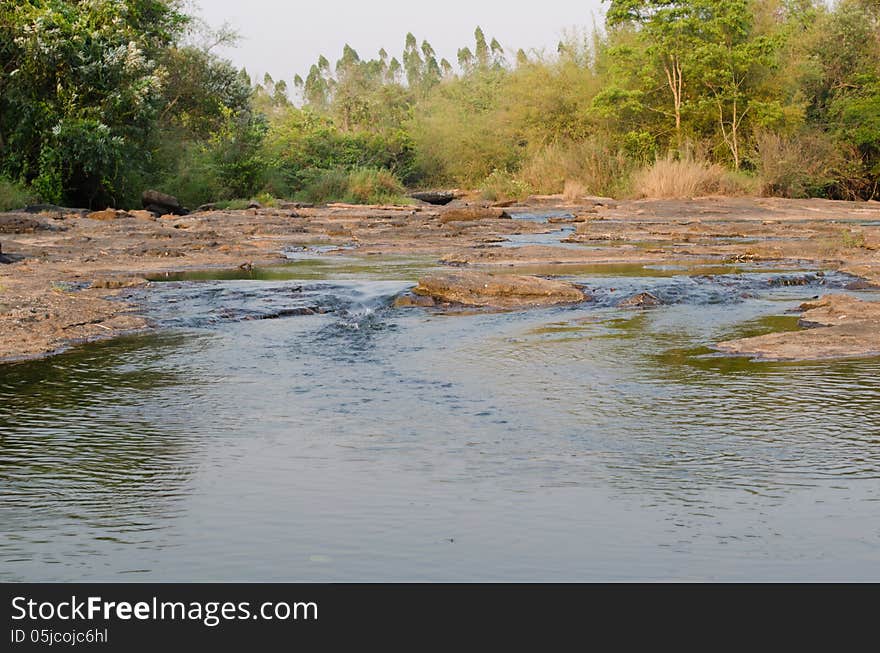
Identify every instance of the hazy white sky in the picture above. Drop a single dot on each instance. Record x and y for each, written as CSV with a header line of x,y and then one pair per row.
x,y
285,38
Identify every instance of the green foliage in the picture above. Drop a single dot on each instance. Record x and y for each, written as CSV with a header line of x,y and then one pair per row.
x,y
372,186
100,99
502,186
13,196
301,145
80,91
360,186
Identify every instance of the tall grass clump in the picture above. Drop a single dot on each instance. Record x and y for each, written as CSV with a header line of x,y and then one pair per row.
x,y
687,176
13,196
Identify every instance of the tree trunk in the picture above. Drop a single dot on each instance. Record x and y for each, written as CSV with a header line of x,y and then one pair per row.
x,y
674,79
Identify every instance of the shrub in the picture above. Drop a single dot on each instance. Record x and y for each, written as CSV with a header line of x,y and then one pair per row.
x,y
598,169
371,186
806,165
302,146
502,185
13,196
361,186
324,186
687,176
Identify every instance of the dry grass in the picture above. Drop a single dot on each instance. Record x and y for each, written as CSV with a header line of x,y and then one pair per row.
x,y
687,176
573,189
585,167
807,165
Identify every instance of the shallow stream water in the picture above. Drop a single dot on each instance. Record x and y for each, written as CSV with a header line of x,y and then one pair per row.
x,y
291,424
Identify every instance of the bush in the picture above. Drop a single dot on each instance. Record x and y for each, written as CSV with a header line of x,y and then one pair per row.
x,y
688,176
806,165
13,196
324,186
370,186
502,186
598,169
361,186
301,147
192,177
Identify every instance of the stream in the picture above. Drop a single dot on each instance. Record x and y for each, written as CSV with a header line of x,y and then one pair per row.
x,y
291,424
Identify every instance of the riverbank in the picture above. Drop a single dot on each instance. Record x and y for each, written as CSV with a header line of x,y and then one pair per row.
x,y
70,279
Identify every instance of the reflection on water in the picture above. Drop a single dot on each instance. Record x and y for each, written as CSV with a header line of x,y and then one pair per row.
x,y
256,440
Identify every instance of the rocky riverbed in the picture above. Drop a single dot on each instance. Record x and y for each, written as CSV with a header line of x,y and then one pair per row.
x,y
72,276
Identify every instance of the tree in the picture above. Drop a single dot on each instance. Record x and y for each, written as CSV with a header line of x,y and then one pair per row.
x,y
668,28
729,59
81,90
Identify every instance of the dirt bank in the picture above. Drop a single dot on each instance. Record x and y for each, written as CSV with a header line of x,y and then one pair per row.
x,y
60,271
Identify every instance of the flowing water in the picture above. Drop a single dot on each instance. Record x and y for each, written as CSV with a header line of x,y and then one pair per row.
x,y
291,424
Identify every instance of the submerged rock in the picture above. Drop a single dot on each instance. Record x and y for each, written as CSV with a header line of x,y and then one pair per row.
x,y
118,282
498,290
838,326
409,299
642,300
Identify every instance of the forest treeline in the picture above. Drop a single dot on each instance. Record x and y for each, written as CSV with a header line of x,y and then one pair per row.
x,y
100,99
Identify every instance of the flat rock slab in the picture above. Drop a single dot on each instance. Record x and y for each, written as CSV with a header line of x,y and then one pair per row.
x,y
471,213
497,290
19,223
838,310
847,327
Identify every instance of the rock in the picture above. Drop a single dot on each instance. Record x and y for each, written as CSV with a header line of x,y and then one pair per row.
x,y
254,205
869,273
54,208
295,205
142,215
470,213
118,282
498,290
19,223
409,299
642,300
860,284
3,258
107,214
438,197
160,203
833,310
847,328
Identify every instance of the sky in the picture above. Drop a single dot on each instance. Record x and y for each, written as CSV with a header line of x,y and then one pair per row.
x,y
286,38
